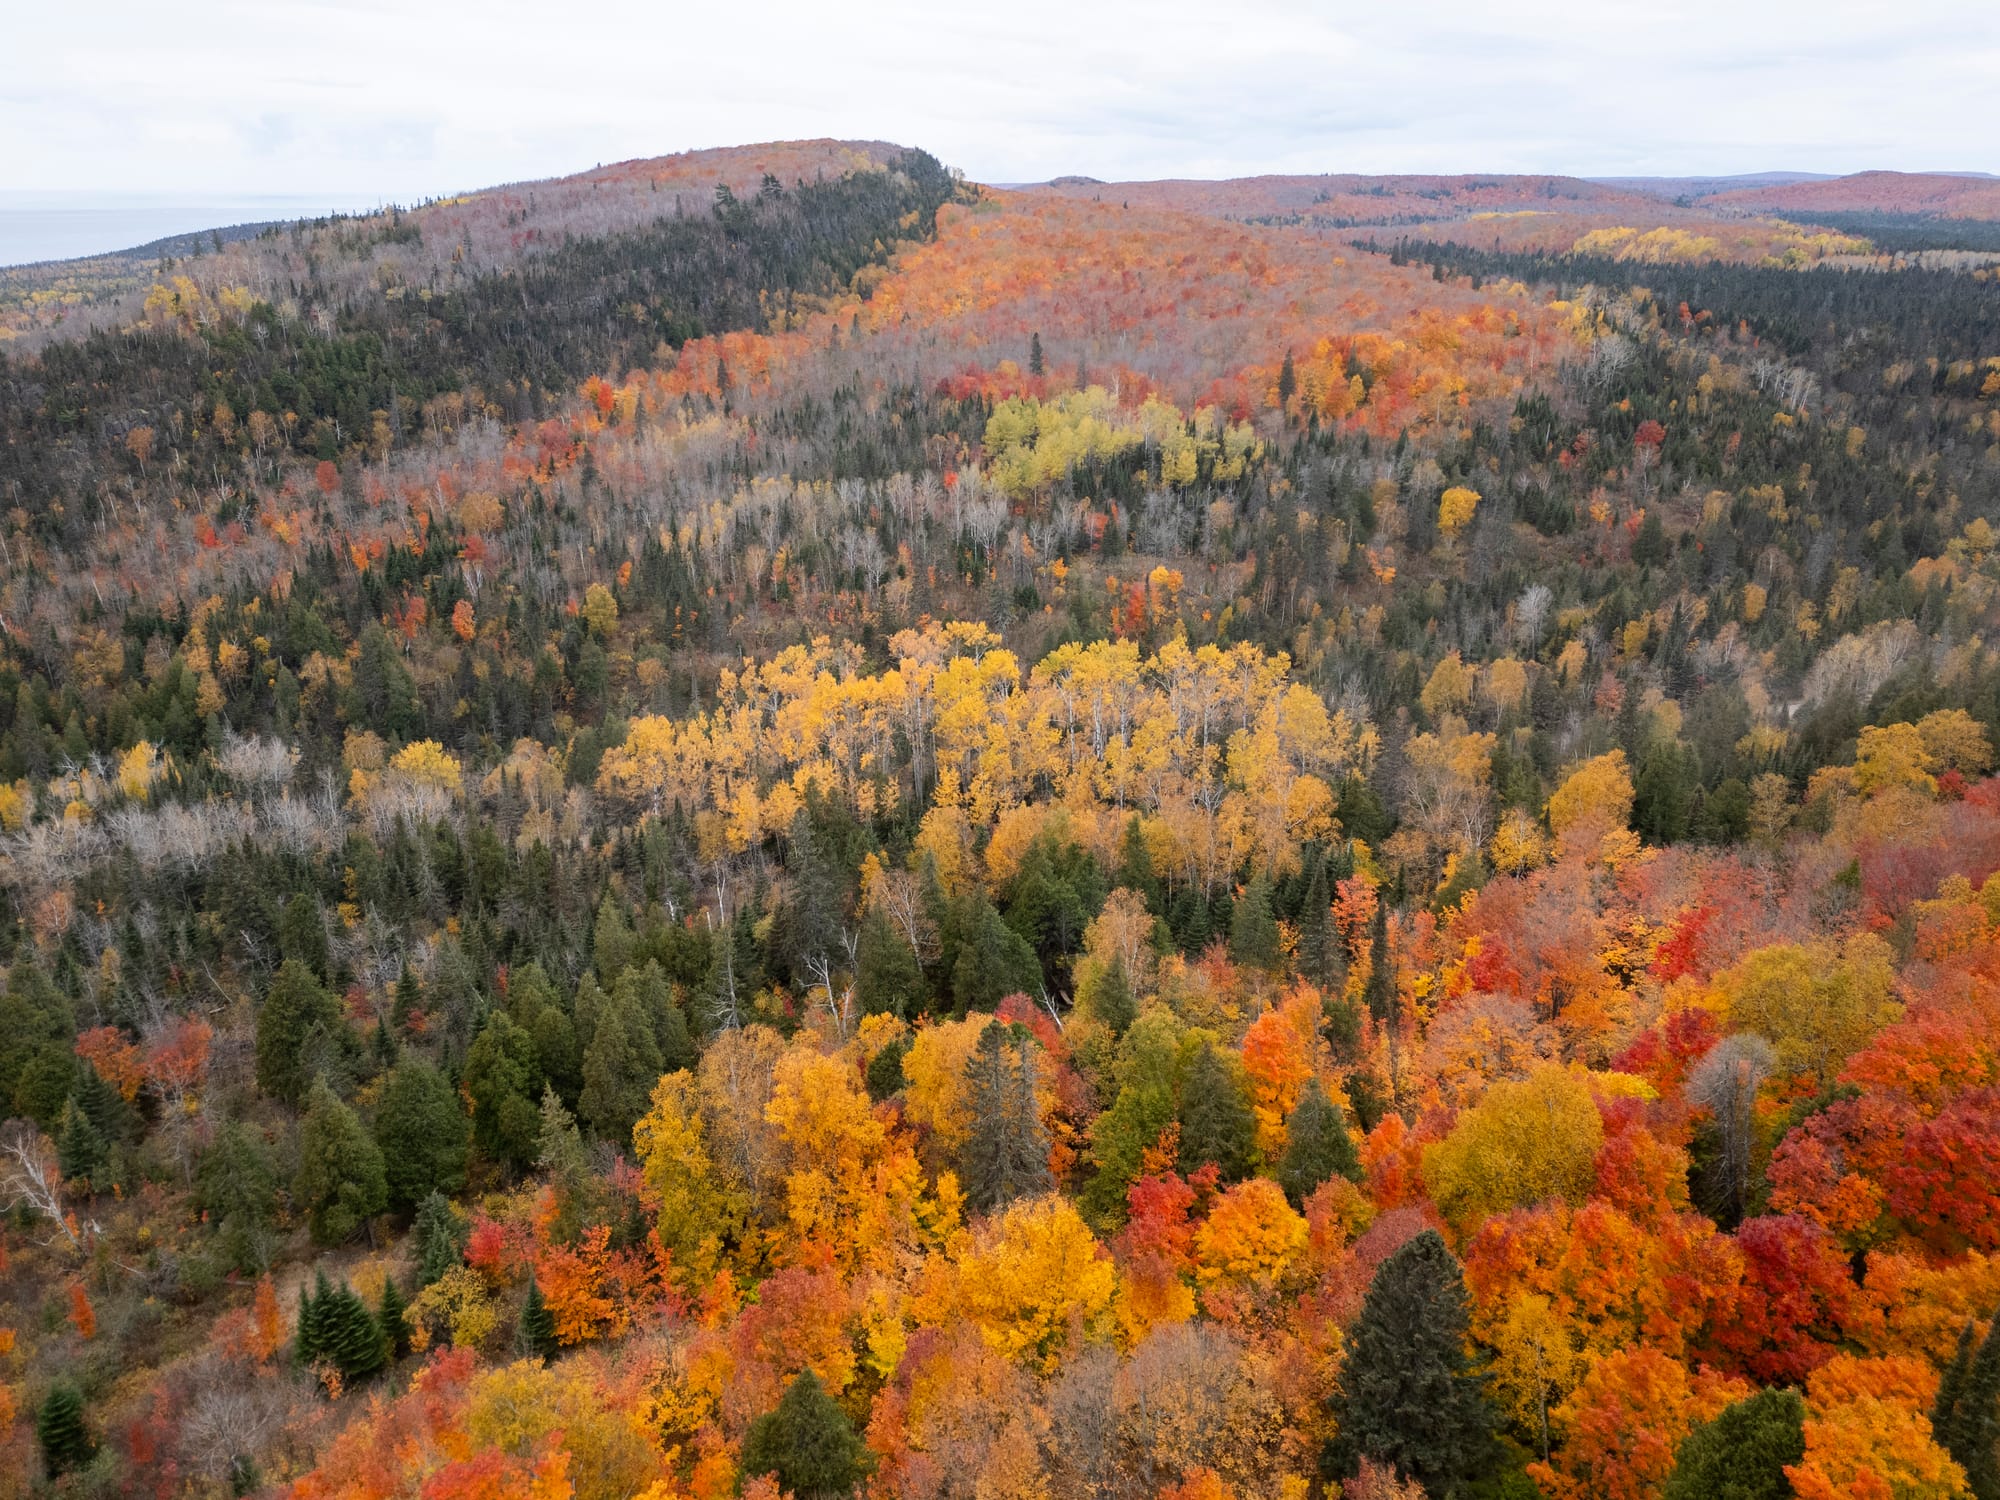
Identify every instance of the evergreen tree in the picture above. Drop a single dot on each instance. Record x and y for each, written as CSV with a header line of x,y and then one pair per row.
x,y
501,1078
1288,381
341,1182
1253,930
1319,942
1135,866
1380,994
1743,1452
647,994
1966,1417
1317,1147
80,1147
887,977
1007,1154
310,1343
537,1333
1408,1397
620,1067
439,1234
808,1443
389,1310
885,1071
421,1130
300,1023
1035,366
1217,1123
302,936
994,961
60,1430
237,1189
1111,998
409,997
345,1334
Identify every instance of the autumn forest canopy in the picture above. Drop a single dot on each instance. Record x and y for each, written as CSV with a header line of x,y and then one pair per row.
x,y
767,823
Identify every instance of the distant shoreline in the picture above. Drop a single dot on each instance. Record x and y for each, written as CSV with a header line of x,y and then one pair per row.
x,y
39,227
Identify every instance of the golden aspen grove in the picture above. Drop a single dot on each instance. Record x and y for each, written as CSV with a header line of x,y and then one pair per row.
x,y
767,823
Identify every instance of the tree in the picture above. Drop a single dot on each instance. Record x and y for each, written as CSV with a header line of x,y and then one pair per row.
x,y
1006,1156
300,1033
807,1442
1525,1142
538,1324
60,1430
620,1065
1253,930
994,961
1408,1397
501,1075
1319,943
341,1183
1379,994
1217,1123
1317,1147
1110,998
888,979
302,936
336,1328
1966,1416
389,1310
237,1189
421,1131
1816,1002
80,1147
439,1234
1742,1453
1035,353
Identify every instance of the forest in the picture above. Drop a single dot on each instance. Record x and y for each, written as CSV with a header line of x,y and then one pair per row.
x,y
773,824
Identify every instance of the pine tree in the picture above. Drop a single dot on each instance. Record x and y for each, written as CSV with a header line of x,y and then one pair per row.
x,y
537,1333
1288,381
389,1318
1408,1397
1217,1123
1007,1154
409,997
422,1132
60,1430
1742,1454
80,1147
808,1443
994,961
885,1071
341,1182
1317,1147
1253,930
439,1236
1035,366
1135,866
299,1020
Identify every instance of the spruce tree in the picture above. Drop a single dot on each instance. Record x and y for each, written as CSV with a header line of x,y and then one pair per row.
x,y
349,1337
1319,942
885,1071
237,1189
994,961
302,936
60,1430
80,1147
808,1443
1135,866
298,1017
440,1238
1035,365
501,1075
341,1182
1317,1147
1253,930
1743,1452
1217,1123
389,1310
620,1067
888,980
1111,998
537,1333
1380,994
1007,1154
1966,1417
1408,1397
422,1131
310,1344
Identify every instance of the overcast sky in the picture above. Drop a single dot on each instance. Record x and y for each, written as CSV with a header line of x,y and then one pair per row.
x,y
399,99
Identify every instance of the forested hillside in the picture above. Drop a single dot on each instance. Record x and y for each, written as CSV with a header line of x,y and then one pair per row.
x,y
770,823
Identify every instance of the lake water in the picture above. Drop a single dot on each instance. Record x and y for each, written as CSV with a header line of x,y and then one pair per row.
x,y
61,226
